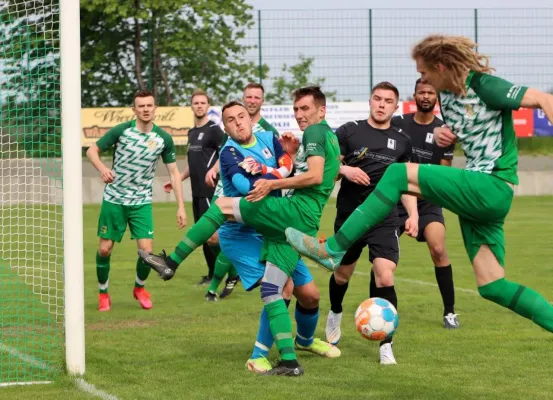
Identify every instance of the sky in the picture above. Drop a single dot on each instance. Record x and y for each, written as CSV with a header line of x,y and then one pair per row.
x,y
518,40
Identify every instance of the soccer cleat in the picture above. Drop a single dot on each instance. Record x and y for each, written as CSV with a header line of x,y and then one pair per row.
x,y
231,283
158,263
104,302
386,355
333,331
451,321
313,248
320,348
285,369
143,297
210,296
258,365
206,280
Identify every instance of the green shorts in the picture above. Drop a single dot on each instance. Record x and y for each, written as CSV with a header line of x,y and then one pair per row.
x,y
270,217
114,218
482,202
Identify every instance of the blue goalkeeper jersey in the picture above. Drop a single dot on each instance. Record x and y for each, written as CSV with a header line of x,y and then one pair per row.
x,y
237,182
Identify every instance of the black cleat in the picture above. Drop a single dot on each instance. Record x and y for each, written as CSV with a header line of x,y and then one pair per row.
x,y
231,283
284,369
158,264
211,297
206,280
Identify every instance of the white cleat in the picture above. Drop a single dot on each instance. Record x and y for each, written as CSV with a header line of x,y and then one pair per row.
x,y
451,321
386,355
333,331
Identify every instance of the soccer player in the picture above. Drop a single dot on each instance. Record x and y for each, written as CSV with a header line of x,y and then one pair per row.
x,y
128,191
253,100
317,164
477,108
368,147
419,127
204,142
245,158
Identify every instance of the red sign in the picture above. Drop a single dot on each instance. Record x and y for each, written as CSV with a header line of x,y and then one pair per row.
x,y
410,107
523,119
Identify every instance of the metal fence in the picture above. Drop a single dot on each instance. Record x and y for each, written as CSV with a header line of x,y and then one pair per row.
x,y
354,49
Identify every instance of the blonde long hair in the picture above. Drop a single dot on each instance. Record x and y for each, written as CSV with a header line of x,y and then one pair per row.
x,y
457,53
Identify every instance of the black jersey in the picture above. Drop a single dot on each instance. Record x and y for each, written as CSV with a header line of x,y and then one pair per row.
x,y
204,143
425,150
372,150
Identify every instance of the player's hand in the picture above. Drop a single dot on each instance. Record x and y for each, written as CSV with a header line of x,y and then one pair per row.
x,y
251,166
412,226
289,142
211,177
443,136
262,188
168,186
107,175
181,217
355,175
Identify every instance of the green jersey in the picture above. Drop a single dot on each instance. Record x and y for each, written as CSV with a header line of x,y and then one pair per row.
x,y
317,140
483,122
134,161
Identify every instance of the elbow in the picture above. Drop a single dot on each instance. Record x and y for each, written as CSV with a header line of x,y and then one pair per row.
x,y
317,180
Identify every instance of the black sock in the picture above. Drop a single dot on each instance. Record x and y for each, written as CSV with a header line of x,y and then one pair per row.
x,y
372,286
287,302
336,293
171,264
387,293
444,277
290,363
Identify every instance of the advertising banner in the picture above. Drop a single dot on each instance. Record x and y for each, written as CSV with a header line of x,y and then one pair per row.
x,y
542,126
524,122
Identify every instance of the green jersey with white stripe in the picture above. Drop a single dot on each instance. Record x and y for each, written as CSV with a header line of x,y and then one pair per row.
x,y
135,161
483,122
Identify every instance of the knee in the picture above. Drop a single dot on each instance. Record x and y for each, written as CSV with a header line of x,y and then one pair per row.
x,y
343,275
384,277
213,240
437,252
104,250
308,295
288,290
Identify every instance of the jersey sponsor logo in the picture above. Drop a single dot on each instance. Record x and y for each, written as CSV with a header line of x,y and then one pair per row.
x,y
360,154
392,144
200,136
266,153
422,153
429,137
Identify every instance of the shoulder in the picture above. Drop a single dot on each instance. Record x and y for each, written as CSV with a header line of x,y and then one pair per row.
x,y
212,126
163,133
265,136
122,127
437,122
400,134
351,127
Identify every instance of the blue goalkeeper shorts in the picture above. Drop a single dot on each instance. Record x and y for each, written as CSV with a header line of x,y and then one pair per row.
x,y
244,253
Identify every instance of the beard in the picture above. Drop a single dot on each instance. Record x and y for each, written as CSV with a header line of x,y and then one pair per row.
x,y
200,116
425,107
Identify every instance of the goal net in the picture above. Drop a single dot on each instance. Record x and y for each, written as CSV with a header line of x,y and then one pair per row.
x,y
31,193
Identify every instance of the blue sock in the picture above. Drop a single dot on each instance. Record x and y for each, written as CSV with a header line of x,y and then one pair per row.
x,y
264,340
306,320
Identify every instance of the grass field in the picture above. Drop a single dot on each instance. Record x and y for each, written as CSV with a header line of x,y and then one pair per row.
x,y
186,348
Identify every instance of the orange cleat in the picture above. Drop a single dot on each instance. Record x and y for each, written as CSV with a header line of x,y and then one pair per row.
x,y
105,302
143,297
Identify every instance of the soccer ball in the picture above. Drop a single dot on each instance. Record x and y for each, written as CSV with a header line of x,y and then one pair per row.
x,y
376,319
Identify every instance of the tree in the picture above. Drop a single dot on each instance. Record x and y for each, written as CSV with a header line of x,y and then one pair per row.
x,y
30,111
167,46
293,77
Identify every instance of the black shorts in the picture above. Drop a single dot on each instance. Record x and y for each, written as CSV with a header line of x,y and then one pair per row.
x,y
200,206
428,215
382,241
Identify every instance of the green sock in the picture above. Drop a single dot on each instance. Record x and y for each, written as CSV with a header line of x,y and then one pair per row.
x,y
222,266
374,209
142,272
232,271
522,300
280,325
202,230
102,272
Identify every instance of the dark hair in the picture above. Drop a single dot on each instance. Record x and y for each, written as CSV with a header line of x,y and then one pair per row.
x,y
319,97
199,92
230,104
419,81
142,93
386,86
255,85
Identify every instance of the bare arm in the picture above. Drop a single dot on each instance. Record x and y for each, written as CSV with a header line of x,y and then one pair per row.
x,y
175,177
535,99
410,204
93,154
313,176
185,174
445,162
